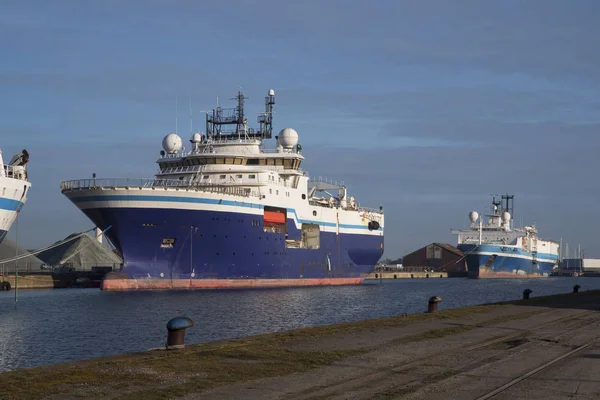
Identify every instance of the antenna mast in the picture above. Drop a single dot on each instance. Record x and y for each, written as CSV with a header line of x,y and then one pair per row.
x,y
176,114
235,116
266,120
495,204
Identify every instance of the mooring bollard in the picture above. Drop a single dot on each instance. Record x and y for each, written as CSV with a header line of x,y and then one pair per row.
x,y
526,293
433,303
176,328
576,288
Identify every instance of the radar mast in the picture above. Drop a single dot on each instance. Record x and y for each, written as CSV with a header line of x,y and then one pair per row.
x,y
221,117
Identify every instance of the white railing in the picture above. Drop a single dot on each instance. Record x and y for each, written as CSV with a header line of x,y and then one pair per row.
x,y
129,183
322,202
245,169
178,170
325,180
273,151
207,148
214,176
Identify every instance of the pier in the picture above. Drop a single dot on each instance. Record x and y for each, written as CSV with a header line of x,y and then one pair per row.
x,y
52,280
534,347
406,275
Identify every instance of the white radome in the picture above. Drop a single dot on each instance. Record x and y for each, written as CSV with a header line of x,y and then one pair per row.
x,y
196,138
505,216
172,143
473,216
288,138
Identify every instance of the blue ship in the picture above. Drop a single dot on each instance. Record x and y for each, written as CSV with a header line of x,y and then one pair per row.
x,y
495,249
228,212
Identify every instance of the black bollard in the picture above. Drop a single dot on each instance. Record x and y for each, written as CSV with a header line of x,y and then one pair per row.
x,y
526,293
176,328
576,288
433,304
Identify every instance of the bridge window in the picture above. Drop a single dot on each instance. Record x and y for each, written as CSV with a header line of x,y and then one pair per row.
x,y
252,176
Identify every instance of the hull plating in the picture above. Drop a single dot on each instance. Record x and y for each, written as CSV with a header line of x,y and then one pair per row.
x,y
15,197
223,249
507,262
117,282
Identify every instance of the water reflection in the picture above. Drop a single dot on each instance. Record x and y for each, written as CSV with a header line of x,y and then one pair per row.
x,y
50,326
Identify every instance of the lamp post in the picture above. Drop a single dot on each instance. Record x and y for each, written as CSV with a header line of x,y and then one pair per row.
x,y
17,259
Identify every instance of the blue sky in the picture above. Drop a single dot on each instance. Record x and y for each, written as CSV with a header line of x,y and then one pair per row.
x,y
426,107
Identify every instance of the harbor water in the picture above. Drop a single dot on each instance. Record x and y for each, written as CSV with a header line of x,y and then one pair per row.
x,y
52,326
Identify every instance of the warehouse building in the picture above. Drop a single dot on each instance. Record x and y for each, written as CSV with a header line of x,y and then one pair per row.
x,y
438,257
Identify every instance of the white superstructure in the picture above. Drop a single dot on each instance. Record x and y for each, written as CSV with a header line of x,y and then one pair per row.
x,y
14,187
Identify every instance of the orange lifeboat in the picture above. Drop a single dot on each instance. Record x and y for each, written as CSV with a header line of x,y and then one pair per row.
x,y
274,217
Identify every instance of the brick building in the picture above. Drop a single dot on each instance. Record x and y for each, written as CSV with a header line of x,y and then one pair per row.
x,y
441,257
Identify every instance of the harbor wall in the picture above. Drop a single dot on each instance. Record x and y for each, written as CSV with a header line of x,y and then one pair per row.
x,y
75,279
30,281
406,275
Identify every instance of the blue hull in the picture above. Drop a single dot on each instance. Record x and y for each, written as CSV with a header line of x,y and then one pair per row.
x,y
222,245
506,262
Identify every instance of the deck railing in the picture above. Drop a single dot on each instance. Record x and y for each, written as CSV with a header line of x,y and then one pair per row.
x,y
129,183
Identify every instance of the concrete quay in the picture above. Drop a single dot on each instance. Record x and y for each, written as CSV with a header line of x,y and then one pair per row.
x,y
29,281
406,275
51,280
540,348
